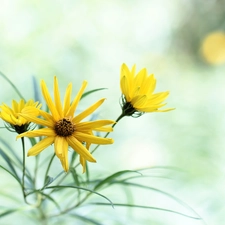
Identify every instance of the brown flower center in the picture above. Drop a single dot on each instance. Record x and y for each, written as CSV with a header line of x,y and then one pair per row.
x,y
64,127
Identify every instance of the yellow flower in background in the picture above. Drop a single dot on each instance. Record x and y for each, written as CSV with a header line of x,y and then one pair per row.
x,y
12,115
213,48
137,93
63,129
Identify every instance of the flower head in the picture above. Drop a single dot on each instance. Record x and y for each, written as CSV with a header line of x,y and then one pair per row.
x,y
12,115
137,93
63,129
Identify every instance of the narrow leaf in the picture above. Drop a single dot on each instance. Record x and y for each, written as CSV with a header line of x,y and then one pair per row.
x,y
51,199
159,191
36,89
8,212
48,180
81,188
11,83
10,174
9,162
148,207
92,91
113,176
86,219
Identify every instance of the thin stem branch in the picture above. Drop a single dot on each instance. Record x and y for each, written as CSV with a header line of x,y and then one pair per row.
x,y
24,171
48,168
36,169
117,120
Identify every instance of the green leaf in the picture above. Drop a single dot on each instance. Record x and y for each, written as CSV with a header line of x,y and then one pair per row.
x,y
11,174
8,212
11,83
87,174
92,91
36,90
81,188
48,180
112,177
85,219
12,151
51,199
76,180
9,162
159,191
147,207
32,141
75,176
18,161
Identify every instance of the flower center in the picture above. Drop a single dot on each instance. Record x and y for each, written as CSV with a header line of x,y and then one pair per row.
x,y
64,127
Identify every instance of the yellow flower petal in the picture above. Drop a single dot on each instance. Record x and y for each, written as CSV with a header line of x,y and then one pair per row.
x,y
37,120
76,100
40,146
138,94
57,98
80,149
104,129
83,163
93,124
88,111
61,150
60,126
12,115
38,133
67,99
49,101
92,139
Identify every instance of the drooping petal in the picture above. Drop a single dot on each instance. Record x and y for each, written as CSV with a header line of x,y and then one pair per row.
x,y
80,149
40,146
83,163
88,111
61,151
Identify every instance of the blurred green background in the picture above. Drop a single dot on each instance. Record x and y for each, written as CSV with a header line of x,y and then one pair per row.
x,y
77,40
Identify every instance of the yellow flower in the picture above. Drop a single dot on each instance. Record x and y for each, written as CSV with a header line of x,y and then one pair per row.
x,y
12,115
137,93
63,129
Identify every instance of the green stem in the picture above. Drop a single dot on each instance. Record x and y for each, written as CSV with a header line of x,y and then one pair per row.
x,y
48,168
36,169
72,207
117,120
24,171
10,82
